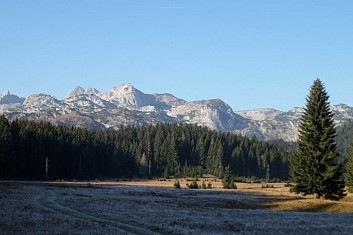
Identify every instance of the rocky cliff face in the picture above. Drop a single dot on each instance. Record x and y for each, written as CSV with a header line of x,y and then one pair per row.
x,y
274,124
125,105
7,98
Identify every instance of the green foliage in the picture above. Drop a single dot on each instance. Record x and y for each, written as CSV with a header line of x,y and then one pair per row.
x,y
193,185
344,141
228,179
177,184
178,150
209,185
6,147
267,186
166,173
349,172
312,168
268,174
203,186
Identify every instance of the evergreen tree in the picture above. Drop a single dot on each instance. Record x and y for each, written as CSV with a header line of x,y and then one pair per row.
x,y
268,174
312,167
349,173
6,153
177,184
143,165
228,179
166,173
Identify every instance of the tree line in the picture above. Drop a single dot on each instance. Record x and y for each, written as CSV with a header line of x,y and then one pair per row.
x,y
159,150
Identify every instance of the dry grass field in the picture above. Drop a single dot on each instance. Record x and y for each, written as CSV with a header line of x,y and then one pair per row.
x,y
276,198
155,207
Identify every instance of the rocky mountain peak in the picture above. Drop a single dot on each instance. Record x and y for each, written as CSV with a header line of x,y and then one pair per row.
x,y
125,105
38,100
82,91
169,99
125,95
7,98
125,89
340,107
5,93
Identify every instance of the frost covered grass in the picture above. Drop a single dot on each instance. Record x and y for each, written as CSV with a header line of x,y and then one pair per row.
x,y
101,208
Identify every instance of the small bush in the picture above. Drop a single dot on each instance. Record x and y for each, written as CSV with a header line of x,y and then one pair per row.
x,y
193,185
233,186
267,186
203,186
209,185
177,184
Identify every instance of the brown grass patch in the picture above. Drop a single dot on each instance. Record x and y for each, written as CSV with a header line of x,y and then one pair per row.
x,y
277,198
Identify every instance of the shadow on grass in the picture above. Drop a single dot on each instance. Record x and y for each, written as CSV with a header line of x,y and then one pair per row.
x,y
314,207
261,201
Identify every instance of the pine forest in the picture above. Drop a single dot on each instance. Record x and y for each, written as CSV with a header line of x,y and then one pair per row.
x,y
38,150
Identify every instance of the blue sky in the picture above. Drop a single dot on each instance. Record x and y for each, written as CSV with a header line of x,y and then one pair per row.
x,y
251,54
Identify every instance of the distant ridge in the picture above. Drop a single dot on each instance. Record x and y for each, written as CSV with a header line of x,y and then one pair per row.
x,y
125,105
7,98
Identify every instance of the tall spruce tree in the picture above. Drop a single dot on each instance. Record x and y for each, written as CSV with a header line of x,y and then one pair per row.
x,y
312,168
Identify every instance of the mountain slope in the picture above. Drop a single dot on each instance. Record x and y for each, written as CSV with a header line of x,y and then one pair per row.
x,y
284,125
7,98
211,113
82,91
129,97
125,105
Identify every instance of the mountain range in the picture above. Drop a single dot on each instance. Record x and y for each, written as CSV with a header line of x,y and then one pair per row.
x,y
125,105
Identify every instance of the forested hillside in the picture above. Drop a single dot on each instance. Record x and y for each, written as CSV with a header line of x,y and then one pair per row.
x,y
344,140
162,149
